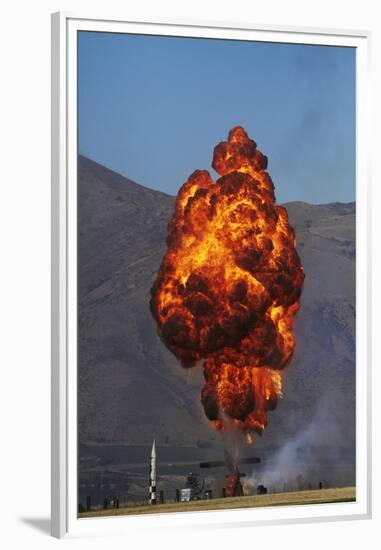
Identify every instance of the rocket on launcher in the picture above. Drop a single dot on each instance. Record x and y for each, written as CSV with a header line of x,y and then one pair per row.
x,y
152,475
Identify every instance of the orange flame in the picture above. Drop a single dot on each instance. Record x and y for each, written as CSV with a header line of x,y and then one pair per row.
x,y
229,285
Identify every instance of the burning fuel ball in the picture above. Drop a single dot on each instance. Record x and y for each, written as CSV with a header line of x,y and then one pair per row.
x,y
229,285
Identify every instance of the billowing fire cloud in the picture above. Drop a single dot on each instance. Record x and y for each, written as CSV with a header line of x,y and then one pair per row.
x,y
229,285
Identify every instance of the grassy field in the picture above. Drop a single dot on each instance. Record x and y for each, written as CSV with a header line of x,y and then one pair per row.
x,y
344,494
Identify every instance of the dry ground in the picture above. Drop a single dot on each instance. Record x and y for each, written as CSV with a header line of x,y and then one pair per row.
x,y
343,494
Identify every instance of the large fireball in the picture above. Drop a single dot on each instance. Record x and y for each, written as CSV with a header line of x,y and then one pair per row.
x,y
229,285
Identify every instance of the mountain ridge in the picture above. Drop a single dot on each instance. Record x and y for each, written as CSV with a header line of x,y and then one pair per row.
x,y
83,159
131,388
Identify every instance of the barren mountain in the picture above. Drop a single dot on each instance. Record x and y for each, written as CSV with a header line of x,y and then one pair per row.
x,y
132,389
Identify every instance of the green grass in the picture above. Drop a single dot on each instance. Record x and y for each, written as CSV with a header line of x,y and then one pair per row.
x,y
322,496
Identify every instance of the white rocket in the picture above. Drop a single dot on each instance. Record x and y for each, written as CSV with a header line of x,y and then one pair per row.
x,y
152,475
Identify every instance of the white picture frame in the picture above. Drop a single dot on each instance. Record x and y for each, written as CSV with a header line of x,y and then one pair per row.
x,y
64,276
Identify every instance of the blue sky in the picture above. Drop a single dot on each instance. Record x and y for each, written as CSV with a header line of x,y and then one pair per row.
x,y
153,108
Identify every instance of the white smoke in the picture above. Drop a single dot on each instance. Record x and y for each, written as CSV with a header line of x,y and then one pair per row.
x,y
317,454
